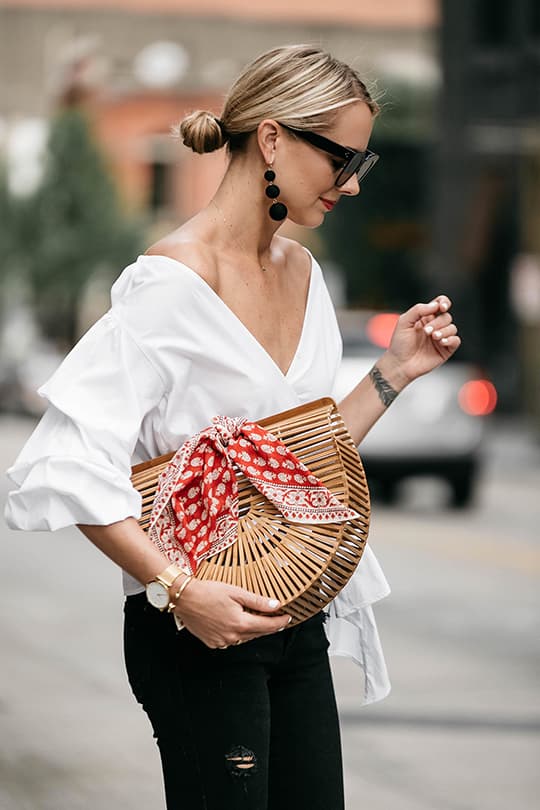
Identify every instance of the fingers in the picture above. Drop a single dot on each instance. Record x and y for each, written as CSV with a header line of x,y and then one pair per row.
x,y
451,344
224,615
446,336
254,626
442,333
252,601
427,312
248,628
437,326
436,322
250,624
443,302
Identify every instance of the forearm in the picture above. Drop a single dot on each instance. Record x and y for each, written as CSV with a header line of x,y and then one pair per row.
x,y
126,544
218,614
371,398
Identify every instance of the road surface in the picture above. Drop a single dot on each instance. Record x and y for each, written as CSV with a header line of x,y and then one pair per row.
x,y
460,730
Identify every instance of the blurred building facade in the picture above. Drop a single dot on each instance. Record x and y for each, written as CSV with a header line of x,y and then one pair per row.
x,y
139,65
136,66
143,64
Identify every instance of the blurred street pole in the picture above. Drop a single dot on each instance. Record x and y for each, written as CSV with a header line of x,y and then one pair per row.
x,y
487,206
530,326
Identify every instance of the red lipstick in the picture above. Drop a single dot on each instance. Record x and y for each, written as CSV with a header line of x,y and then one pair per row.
x,y
328,204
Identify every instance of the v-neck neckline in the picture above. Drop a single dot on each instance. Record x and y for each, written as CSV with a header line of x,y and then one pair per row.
x,y
284,374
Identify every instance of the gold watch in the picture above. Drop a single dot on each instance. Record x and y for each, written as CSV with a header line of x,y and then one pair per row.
x,y
157,590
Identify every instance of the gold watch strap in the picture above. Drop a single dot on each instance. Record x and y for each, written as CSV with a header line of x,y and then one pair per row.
x,y
168,576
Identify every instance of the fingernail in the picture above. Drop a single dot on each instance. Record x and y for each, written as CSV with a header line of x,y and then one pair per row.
x,y
289,620
428,330
437,334
273,603
445,341
444,305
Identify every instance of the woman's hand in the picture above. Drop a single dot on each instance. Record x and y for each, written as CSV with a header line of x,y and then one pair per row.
x,y
218,614
424,338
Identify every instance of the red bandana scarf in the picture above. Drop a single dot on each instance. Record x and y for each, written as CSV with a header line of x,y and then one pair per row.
x,y
195,512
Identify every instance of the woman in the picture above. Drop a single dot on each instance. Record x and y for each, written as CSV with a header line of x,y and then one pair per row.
x,y
225,316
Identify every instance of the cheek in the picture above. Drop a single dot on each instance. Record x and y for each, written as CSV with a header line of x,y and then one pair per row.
x,y
300,169
294,187
303,178
306,181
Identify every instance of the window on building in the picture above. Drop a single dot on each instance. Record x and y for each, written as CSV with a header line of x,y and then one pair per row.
x,y
493,23
160,185
161,165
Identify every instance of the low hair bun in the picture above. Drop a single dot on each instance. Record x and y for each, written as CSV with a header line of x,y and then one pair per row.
x,y
202,131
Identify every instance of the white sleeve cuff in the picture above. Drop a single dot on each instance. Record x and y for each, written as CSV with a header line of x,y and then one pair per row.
x,y
61,491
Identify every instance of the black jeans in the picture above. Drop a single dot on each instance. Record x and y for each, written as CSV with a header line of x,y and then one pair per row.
x,y
252,727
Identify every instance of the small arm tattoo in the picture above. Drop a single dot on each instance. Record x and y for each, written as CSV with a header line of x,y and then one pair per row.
x,y
385,391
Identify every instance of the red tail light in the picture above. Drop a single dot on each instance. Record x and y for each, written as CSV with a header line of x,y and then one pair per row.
x,y
478,397
380,328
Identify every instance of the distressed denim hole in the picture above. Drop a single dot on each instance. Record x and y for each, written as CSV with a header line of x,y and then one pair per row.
x,y
241,761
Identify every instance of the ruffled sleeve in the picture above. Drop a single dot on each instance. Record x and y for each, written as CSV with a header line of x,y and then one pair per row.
x,y
351,628
75,468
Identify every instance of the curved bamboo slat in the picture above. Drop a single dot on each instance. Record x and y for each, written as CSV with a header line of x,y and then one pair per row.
x,y
304,567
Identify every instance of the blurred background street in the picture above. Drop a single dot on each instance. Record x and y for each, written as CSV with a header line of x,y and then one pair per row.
x,y
90,176
460,730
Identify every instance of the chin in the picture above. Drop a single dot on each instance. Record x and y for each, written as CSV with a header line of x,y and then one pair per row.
x,y
307,219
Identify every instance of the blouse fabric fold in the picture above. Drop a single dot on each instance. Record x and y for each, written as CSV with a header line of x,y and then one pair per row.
x,y
166,358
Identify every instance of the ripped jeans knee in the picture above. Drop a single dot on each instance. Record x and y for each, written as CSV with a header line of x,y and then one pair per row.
x,y
241,762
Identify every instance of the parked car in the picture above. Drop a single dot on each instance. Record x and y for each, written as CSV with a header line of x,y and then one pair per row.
x,y
436,425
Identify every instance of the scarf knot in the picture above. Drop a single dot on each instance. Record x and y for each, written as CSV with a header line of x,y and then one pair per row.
x,y
226,429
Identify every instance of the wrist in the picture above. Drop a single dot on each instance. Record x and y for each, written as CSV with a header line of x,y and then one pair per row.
x,y
160,588
180,586
392,371
177,589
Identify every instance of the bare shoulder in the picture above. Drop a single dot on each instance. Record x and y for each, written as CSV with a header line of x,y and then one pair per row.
x,y
195,254
297,258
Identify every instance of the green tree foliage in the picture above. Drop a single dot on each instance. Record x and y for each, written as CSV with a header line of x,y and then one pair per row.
x,y
9,227
71,227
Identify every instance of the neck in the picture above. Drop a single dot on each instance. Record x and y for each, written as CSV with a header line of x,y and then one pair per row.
x,y
243,205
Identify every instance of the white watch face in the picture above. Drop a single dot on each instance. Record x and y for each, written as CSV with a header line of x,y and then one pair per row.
x,y
157,594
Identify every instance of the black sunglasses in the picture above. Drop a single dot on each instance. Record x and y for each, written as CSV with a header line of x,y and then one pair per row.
x,y
358,163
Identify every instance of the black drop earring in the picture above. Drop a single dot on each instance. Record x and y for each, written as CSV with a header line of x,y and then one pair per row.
x,y
277,210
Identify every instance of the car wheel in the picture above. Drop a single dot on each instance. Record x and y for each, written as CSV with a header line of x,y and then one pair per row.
x,y
462,491
386,491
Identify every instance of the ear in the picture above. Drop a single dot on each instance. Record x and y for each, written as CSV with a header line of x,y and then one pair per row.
x,y
267,137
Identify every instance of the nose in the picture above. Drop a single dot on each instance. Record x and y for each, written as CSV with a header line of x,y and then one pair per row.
x,y
351,187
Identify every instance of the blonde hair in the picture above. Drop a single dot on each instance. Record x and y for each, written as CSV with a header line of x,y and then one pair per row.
x,y
300,85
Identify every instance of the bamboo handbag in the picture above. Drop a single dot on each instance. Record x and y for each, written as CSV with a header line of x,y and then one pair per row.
x,y
303,566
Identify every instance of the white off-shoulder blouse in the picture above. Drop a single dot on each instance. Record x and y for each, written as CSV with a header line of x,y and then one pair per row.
x,y
167,357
